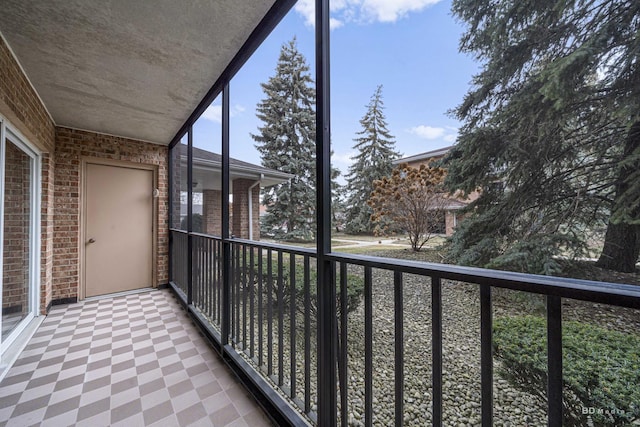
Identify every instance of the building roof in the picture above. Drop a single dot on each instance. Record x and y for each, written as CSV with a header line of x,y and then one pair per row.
x,y
135,69
207,167
424,156
201,156
451,203
455,204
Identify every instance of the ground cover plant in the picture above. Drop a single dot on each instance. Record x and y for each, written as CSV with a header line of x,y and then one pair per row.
x,y
601,368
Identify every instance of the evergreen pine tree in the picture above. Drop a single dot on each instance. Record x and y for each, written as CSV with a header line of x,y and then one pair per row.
x,y
286,142
376,151
554,116
338,193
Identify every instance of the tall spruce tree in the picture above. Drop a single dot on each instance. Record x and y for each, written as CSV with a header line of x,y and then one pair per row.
x,y
376,151
337,201
554,118
286,143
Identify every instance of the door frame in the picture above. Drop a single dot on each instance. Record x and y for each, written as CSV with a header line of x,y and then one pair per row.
x,y
7,131
84,162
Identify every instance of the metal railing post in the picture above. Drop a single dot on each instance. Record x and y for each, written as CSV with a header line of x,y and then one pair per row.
x,y
398,307
436,343
486,355
554,360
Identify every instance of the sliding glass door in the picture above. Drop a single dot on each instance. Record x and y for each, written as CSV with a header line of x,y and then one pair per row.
x,y
19,236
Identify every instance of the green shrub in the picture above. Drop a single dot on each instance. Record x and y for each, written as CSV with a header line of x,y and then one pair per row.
x,y
355,287
196,223
520,301
601,368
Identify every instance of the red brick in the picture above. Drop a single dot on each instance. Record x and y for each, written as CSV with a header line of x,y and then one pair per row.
x,y
62,150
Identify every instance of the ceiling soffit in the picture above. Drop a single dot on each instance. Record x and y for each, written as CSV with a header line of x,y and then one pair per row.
x,y
129,68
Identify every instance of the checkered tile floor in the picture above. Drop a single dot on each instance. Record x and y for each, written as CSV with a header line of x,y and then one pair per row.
x,y
134,360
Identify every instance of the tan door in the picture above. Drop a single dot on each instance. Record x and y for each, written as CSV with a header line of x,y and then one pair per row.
x,y
118,229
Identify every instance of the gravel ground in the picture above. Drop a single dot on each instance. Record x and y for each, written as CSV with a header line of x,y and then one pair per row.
x,y
461,359
461,353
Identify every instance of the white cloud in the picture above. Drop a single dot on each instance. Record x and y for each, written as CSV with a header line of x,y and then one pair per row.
x,y
237,110
306,8
335,23
214,112
427,132
363,11
392,10
448,134
345,159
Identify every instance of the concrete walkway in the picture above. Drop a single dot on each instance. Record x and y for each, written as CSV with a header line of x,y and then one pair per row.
x,y
352,243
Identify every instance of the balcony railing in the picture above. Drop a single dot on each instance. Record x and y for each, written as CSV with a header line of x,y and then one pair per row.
x,y
267,303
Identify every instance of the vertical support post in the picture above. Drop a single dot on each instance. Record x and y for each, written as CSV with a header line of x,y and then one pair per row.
x,y
554,360
436,331
486,355
327,323
226,245
190,215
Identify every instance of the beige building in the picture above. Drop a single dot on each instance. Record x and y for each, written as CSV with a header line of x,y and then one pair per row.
x,y
454,203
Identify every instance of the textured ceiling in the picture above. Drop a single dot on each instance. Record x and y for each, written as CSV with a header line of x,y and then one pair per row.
x,y
130,68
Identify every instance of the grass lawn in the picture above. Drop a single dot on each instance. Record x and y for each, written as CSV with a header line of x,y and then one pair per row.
x,y
373,250
433,251
311,245
359,237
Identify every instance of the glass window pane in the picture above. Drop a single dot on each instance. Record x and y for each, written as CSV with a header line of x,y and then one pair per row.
x,y
272,139
207,170
17,238
179,185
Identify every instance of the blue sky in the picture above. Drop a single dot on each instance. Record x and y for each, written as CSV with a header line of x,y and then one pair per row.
x,y
408,46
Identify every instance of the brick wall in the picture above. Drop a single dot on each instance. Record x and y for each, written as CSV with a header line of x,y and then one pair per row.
x,y
62,149
71,146
212,212
21,106
176,185
240,218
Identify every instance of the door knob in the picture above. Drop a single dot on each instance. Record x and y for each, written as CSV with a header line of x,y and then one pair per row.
x,y
91,241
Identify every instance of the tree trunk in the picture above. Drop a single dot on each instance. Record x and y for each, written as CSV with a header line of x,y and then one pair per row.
x,y
621,249
622,241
